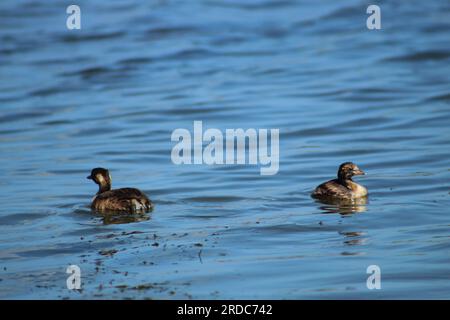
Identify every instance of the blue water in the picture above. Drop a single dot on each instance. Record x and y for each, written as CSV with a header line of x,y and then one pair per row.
x,y
111,94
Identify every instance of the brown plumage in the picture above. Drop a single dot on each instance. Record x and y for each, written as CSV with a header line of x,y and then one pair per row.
x,y
343,187
119,200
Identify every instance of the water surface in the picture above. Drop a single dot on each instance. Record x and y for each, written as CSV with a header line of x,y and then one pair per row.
x,y
111,94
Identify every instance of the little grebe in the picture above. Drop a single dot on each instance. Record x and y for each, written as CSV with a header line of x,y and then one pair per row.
x,y
343,187
122,200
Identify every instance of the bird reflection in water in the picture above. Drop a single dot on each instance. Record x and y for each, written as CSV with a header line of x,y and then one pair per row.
x,y
121,218
342,206
353,238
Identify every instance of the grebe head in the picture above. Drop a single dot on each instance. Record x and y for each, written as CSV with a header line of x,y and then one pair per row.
x,y
347,170
101,177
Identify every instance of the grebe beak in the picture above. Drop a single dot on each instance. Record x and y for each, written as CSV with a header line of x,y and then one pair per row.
x,y
89,177
359,172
